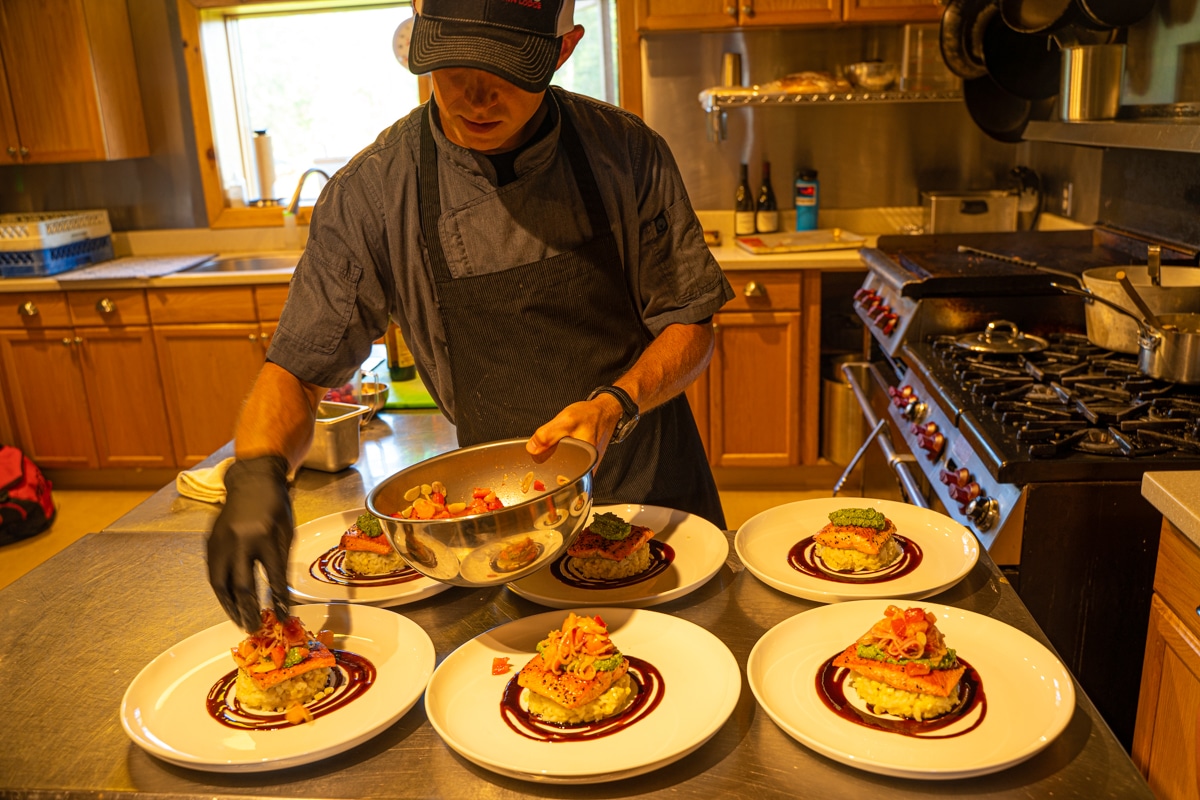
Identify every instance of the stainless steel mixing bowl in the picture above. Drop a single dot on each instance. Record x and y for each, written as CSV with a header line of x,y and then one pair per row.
x,y
531,530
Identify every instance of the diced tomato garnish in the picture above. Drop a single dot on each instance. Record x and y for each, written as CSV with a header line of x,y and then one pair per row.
x,y
500,666
600,622
439,498
914,615
913,668
538,486
481,493
898,626
278,655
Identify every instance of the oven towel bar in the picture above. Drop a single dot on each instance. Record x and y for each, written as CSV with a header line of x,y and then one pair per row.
x,y
862,451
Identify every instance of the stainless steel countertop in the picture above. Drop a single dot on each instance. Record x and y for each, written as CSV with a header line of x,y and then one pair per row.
x,y
83,624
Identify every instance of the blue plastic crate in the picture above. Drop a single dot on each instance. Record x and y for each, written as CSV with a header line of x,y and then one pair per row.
x,y
53,260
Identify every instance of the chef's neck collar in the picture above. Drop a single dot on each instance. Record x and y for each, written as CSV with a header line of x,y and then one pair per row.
x,y
540,148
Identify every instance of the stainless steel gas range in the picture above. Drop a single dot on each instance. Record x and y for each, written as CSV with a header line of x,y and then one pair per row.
x,y
1039,453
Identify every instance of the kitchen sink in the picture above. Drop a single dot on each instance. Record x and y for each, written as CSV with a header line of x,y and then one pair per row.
x,y
249,263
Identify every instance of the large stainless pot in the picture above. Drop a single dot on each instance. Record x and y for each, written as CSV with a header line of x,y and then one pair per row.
x,y
1179,293
1170,352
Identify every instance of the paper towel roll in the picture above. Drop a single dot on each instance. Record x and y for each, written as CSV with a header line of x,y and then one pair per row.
x,y
265,159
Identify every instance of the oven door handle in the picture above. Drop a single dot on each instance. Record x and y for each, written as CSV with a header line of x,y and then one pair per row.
x,y
862,451
898,463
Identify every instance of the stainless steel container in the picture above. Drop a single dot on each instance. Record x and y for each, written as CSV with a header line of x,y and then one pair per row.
x,y
335,437
1091,81
969,211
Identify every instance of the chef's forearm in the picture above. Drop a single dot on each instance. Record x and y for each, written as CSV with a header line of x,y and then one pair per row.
x,y
277,418
669,365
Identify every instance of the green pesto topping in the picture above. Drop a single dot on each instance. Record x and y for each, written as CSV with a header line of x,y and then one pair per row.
x,y
292,658
610,526
369,525
858,518
871,651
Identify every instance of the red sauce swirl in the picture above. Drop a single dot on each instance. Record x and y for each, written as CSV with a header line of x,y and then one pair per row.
x,y
331,568
661,556
351,677
803,558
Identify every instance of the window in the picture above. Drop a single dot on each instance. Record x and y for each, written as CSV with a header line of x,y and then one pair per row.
x,y
323,79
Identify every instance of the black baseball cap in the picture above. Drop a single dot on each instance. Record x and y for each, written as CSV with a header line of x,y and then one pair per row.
x,y
515,39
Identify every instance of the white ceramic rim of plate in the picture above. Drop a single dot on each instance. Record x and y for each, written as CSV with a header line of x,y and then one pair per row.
x,y
686,574
310,542
1014,667
400,650
670,732
950,549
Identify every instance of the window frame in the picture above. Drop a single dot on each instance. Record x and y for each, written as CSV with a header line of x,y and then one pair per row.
x,y
191,18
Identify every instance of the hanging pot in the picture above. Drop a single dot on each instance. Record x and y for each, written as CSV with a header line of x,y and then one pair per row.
x,y
1026,65
1001,338
1114,13
999,113
1170,352
961,36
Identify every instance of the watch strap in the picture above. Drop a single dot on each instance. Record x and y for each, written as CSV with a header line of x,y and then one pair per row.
x,y
629,410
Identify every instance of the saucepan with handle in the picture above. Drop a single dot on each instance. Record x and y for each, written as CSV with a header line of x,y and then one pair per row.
x,y
1168,351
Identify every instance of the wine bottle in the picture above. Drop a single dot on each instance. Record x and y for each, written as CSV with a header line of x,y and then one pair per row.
x,y
743,206
766,219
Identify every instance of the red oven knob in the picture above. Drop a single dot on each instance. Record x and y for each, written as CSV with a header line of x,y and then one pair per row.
x,y
864,296
958,477
880,314
900,397
886,321
890,325
929,439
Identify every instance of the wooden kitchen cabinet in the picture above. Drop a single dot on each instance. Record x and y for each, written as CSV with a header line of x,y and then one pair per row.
x,y
88,395
211,344
70,90
892,10
44,372
677,15
1165,738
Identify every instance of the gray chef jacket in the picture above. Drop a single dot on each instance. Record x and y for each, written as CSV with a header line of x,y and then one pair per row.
x,y
365,261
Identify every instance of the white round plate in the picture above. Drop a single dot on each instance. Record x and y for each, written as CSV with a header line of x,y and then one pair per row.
x,y
762,543
1029,694
700,551
164,709
314,539
463,699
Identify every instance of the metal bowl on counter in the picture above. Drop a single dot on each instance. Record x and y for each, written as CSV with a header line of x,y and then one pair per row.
x,y
545,504
873,76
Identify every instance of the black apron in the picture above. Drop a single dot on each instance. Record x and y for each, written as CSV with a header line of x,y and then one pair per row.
x,y
526,342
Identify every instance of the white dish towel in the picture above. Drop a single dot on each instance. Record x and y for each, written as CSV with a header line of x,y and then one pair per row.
x,y
204,483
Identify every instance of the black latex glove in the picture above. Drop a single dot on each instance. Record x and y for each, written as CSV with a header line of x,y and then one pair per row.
x,y
255,525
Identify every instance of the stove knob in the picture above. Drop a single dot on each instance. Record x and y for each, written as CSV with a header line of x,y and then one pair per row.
x,y
915,410
984,512
900,397
862,295
880,315
931,443
887,323
958,477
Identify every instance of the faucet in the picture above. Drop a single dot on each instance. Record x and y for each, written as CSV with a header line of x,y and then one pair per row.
x,y
295,203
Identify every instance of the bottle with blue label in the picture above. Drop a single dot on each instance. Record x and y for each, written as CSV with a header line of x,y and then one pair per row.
x,y
807,195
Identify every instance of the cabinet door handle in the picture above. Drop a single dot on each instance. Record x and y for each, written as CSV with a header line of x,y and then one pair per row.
x,y
12,153
264,337
748,10
24,151
254,337
78,340
731,11
754,289
106,306
28,309
67,341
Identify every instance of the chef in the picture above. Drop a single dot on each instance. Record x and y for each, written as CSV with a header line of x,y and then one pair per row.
x,y
539,252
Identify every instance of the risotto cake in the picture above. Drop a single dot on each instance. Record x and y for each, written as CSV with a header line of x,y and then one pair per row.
x,y
902,666
368,551
611,548
857,540
282,665
578,674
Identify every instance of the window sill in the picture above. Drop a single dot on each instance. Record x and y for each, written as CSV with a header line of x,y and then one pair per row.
x,y
257,217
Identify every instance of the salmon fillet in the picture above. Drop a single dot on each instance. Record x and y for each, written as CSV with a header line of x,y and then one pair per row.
x,y
318,656
566,688
850,537
939,682
355,539
593,545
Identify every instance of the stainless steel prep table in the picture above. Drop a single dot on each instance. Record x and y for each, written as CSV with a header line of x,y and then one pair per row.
x,y
79,627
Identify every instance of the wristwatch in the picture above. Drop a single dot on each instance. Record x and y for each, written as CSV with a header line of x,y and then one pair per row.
x,y
629,411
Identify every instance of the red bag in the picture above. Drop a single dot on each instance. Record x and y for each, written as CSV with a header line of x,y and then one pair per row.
x,y
26,508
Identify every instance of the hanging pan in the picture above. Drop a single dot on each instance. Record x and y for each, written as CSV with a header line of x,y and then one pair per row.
x,y
1114,13
961,36
1001,114
1026,65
